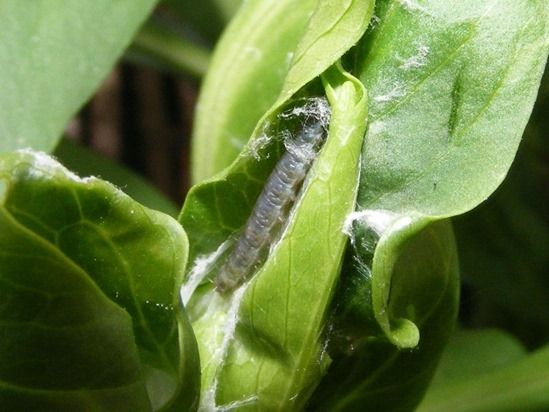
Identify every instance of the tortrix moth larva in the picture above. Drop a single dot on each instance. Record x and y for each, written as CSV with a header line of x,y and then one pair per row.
x,y
273,202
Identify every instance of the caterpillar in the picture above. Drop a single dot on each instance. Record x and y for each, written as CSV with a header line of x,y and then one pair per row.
x,y
272,204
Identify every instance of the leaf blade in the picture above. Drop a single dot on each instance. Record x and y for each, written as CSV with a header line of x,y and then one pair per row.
x,y
93,231
52,57
474,94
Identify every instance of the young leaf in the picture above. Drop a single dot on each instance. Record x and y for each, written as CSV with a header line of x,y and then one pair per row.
x,y
269,51
262,345
452,87
53,55
90,313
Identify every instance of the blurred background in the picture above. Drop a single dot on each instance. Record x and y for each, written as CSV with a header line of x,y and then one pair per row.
x,y
142,118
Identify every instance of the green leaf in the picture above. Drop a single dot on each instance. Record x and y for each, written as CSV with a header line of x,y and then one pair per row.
x,y
90,311
519,384
367,369
53,55
87,163
452,87
269,51
262,345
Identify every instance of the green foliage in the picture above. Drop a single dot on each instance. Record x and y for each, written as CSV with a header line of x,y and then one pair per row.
x,y
425,154
471,353
90,309
357,297
206,18
451,90
53,55
450,97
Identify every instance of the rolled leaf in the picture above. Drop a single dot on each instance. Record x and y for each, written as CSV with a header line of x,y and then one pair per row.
x,y
262,345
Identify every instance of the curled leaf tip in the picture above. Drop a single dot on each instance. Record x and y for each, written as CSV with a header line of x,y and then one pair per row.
x,y
404,334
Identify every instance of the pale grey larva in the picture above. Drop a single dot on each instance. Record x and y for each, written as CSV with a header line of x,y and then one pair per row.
x,y
273,202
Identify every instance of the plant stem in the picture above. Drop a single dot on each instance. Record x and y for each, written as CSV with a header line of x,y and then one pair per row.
x,y
163,48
